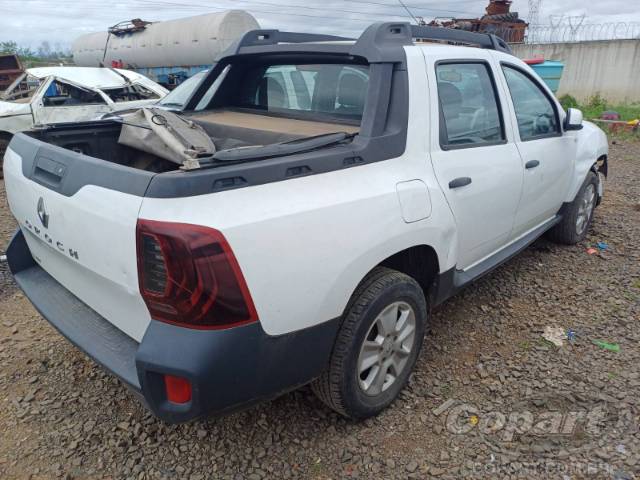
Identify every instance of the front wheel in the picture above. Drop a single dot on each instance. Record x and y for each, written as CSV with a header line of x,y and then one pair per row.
x,y
377,345
578,215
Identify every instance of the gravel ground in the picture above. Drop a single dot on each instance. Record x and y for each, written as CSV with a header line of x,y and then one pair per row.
x,y
489,399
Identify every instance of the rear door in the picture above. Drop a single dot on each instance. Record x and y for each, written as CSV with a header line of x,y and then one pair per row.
x,y
78,215
547,155
475,158
135,95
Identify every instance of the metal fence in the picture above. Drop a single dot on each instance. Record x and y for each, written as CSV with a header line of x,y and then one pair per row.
x,y
579,33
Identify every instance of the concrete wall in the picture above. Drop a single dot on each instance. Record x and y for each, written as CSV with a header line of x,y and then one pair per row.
x,y
611,68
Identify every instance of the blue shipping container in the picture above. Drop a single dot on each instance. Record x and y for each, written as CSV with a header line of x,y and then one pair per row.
x,y
170,76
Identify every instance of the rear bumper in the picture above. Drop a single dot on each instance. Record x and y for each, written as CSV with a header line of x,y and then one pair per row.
x,y
228,369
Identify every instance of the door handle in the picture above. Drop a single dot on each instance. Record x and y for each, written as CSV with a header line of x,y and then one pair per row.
x,y
531,164
459,182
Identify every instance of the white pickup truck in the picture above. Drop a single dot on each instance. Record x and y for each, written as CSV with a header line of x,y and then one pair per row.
x,y
337,206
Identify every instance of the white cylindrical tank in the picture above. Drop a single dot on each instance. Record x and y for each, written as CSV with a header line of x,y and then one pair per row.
x,y
183,42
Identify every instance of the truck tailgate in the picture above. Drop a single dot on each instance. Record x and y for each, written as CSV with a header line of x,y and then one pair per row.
x,y
80,226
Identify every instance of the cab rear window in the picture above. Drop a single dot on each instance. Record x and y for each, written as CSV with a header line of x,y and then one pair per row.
x,y
331,90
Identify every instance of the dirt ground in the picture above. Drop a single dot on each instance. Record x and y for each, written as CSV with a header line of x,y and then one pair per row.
x,y
490,397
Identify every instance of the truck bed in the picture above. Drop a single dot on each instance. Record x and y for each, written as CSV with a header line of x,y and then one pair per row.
x,y
228,129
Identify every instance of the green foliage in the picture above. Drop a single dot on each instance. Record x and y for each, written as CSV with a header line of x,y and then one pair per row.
x,y
11,47
597,105
627,112
597,101
44,55
8,47
568,101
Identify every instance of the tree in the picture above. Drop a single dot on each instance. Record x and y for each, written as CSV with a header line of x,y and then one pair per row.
x,y
8,47
44,50
44,54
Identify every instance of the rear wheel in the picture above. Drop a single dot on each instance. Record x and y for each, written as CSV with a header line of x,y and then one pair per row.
x,y
377,345
578,215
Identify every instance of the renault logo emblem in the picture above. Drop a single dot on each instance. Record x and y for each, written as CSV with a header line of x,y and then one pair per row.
x,y
42,213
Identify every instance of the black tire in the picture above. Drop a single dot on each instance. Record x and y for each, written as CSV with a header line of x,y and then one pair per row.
x,y
567,231
339,387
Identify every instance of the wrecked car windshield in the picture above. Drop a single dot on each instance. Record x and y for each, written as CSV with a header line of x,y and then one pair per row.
x,y
310,91
22,89
179,96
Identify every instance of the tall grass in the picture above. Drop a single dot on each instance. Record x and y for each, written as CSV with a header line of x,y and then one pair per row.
x,y
597,105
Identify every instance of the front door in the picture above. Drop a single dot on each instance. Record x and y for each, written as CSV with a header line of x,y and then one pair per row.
x,y
547,155
476,163
62,102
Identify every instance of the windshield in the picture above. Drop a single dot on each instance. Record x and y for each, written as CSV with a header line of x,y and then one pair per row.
x,y
22,89
336,91
178,96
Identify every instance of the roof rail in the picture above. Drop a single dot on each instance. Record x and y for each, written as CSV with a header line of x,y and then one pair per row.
x,y
379,41
483,40
258,38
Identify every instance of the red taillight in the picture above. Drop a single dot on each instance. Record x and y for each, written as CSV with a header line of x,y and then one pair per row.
x,y
189,276
178,389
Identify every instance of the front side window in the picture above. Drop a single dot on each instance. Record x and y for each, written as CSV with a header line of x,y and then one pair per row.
x,y
470,115
61,94
535,112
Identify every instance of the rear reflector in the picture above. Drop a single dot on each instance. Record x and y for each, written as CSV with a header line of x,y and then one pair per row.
x,y
188,276
178,389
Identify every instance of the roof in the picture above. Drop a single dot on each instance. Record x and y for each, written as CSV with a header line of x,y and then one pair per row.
x,y
91,77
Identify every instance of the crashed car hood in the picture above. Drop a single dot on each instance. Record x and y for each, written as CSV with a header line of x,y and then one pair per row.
x,y
9,108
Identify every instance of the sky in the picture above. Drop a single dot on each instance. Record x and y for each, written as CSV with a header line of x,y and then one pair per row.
x,y
29,22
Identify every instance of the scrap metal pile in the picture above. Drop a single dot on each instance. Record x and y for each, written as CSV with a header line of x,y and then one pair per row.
x,y
499,20
10,69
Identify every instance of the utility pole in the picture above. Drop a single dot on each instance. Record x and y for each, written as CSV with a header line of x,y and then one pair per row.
x,y
534,12
534,18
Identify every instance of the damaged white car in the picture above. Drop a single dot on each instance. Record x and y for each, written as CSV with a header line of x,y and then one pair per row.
x,y
47,95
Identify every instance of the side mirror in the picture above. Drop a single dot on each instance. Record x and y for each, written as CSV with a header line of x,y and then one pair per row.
x,y
573,121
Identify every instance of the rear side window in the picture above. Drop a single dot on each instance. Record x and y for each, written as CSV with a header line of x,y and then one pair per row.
x,y
535,112
469,111
334,90
130,93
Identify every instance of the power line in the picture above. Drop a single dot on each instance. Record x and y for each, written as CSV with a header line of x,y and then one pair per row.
x,y
306,7
353,17
408,11
191,7
183,5
415,7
